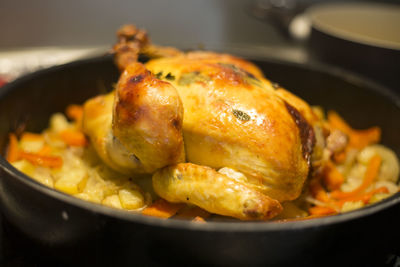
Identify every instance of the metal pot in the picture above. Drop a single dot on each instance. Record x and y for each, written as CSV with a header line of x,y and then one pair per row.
x,y
63,229
363,37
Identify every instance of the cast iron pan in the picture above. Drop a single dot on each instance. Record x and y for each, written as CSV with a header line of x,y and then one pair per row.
x,y
65,230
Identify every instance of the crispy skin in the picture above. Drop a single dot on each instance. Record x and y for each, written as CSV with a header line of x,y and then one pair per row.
x,y
147,120
96,123
214,192
133,41
235,118
144,131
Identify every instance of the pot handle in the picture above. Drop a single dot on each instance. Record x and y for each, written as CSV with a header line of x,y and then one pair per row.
x,y
287,16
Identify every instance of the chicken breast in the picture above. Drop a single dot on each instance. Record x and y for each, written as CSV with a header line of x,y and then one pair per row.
x,y
233,117
213,111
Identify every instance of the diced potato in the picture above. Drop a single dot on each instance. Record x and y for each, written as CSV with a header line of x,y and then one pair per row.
x,y
352,205
43,175
354,178
96,188
24,166
54,141
71,184
73,176
83,196
390,167
392,187
378,197
58,123
112,201
31,145
131,199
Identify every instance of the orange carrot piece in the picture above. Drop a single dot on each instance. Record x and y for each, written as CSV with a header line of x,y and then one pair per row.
x,y
42,160
27,136
198,219
73,137
365,198
332,178
13,149
74,112
321,210
318,192
193,212
45,150
162,209
362,138
337,122
357,138
340,157
371,173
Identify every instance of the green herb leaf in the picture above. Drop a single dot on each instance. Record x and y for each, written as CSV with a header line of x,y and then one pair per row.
x,y
191,77
159,75
170,77
241,115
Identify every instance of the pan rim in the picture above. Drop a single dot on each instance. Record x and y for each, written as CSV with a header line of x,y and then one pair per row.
x,y
317,14
254,227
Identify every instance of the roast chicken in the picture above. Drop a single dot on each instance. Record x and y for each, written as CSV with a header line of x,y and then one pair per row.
x,y
209,127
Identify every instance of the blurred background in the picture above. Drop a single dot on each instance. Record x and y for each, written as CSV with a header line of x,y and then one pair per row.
x,y
88,22
41,33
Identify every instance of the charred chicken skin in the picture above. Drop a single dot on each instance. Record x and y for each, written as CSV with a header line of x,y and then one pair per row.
x,y
212,130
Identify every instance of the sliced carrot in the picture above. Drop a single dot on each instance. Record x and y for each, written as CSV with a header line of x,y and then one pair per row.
x,y
27,136
73,137
13,149
332,178
162,209
318,192
357,138
340,157
198,219
193,212
338,122
45,150
365,198
74,112
321,210
42,160
362,138
370,174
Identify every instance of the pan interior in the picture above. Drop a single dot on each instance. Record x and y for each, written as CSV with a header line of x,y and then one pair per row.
x,y
26,104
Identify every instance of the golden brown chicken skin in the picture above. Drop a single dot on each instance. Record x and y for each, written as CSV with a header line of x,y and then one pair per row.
x,y
235,118
207,188
213,111
130,127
